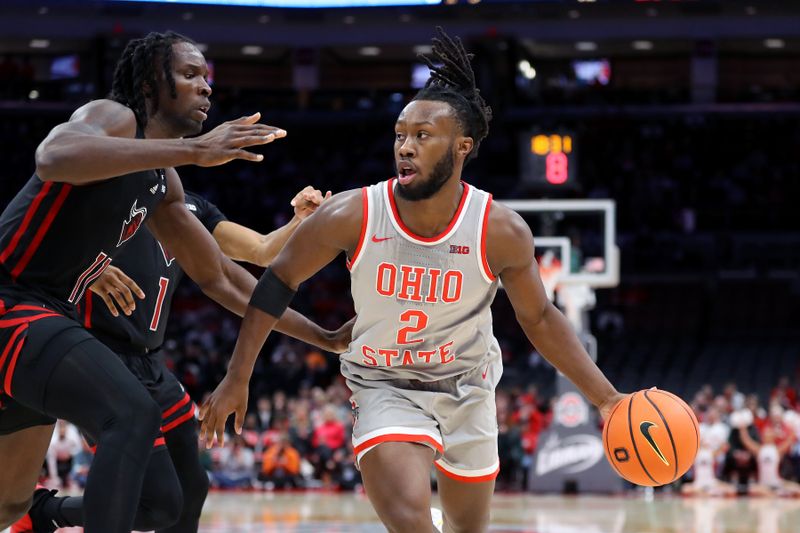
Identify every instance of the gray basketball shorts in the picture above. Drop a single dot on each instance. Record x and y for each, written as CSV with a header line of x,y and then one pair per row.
x,y
455,416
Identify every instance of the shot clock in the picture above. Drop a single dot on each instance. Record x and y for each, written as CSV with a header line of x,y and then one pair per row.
x,y
548,159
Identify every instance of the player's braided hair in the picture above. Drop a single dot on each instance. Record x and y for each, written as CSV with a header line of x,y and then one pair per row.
x,y
137,67
453,81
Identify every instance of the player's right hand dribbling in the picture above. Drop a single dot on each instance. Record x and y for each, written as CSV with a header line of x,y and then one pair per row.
x,y
228,141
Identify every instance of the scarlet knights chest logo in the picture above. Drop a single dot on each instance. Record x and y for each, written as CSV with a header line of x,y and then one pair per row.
x,y
132,224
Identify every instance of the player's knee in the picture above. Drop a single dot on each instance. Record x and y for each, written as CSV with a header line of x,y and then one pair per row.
x,y
402,519
140,415
11,511
145,411
408,512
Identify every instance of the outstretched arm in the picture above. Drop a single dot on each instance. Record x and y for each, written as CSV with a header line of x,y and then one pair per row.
x,y
98,142
510,253
244,244
221,279
334,228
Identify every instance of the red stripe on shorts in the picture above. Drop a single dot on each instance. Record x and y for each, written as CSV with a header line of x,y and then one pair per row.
x,y
178,421
13,362
177,406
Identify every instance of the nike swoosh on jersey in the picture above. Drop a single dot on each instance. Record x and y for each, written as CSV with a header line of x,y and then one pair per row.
x,y
644,427
375,238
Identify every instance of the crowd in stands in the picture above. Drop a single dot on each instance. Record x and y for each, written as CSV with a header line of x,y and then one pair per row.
x,y
753,447
303,441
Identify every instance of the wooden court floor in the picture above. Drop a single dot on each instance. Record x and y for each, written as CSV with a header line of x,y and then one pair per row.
x,y
333,513
230,512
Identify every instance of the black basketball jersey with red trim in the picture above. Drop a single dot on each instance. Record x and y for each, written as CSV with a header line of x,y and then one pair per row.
x,y
151,266
57,238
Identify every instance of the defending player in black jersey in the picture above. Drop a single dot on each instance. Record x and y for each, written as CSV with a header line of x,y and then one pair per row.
x,y
138,336
98,178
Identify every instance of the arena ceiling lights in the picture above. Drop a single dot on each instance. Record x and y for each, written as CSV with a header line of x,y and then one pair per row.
x,y
299,3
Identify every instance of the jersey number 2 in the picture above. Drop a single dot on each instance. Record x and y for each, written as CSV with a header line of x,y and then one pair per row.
x,y
163,283
420,320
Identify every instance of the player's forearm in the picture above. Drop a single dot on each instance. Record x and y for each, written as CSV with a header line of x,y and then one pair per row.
x,y
555,339
272,243
232,289
256,326
298,326
80,158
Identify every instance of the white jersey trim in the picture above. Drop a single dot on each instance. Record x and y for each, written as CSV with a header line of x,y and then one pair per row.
x,y
402,230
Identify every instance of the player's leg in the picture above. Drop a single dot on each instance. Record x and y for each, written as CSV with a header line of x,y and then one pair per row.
x,y
396,478
182,446
465,504
180,430
159,504
467,418
86,384
18,477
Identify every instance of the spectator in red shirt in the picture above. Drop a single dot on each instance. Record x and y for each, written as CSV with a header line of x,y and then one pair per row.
x,y
329,436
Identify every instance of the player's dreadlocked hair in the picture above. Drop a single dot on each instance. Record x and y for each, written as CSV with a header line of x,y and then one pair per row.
x,y
137,67
453,81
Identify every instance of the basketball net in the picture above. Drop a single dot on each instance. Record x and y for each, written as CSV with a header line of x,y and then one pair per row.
x,y
550,271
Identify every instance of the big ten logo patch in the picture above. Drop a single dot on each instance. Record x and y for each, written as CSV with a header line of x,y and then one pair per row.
x,y
456,249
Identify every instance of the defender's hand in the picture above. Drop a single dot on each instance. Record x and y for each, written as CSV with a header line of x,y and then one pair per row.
x,y
229,397
307,201
341,338
114,287
228,140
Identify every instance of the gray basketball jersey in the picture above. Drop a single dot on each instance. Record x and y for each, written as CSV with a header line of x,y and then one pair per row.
x,y
423,304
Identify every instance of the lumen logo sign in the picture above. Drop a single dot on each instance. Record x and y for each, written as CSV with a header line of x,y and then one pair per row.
x,y
572,454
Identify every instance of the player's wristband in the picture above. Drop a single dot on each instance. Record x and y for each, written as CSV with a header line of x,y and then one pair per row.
x,y
271,295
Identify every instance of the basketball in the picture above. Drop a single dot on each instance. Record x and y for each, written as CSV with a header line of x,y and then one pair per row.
x,y
651,437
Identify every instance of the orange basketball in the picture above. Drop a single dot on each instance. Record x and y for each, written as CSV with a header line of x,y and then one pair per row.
x,y
651,437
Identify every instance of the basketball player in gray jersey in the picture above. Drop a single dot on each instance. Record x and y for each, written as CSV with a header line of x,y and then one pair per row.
x,y
425,252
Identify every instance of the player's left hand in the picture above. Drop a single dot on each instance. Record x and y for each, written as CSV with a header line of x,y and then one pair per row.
x,y
607,406
340,339
117,290
307,201
229,397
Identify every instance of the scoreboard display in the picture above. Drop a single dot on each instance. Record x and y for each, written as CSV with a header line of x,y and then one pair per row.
x,y
548,159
